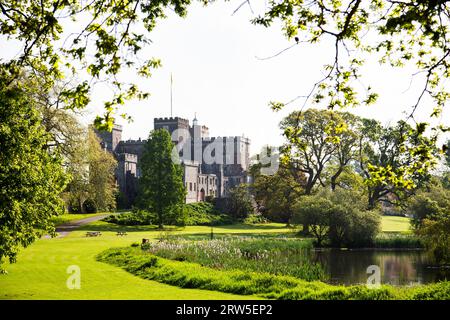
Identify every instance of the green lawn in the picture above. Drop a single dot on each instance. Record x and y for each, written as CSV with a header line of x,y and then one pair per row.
x,y
40,272
395,224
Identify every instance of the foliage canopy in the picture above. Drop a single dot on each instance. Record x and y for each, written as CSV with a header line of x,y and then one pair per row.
x,y
31,172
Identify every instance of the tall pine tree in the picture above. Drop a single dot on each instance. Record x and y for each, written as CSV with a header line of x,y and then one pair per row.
x,y
161,186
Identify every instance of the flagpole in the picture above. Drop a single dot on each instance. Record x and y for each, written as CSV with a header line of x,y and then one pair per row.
x,y
171,94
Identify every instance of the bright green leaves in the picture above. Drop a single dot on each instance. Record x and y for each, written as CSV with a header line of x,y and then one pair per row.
x,y
399,160
314,138
31,172
388,176
324,144
276,106
110,34
76,98
145,70
404,32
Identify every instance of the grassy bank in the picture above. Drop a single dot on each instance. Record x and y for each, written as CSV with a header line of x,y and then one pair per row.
x,y
192,275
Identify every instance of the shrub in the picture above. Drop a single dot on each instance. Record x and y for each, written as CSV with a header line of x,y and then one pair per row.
x,y
89,206
436,235
362,228
139,217
338,218
430,203
204,214
200,213
431,219
255,219
314,212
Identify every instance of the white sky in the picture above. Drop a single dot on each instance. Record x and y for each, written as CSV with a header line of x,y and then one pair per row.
x,y
212,56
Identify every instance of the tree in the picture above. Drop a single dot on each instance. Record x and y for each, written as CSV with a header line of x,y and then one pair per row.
x,y
102,165
436,235
346,146
77,190
429,202
92,185
109,37
394,160
430,209
399,32
31,172
313,138
161,185
276,194
240,202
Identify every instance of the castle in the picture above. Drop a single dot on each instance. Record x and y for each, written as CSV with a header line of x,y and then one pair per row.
x,y
211,165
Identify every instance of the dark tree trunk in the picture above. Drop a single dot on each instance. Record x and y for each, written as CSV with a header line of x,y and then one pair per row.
x,y
160,219
335,177
374,195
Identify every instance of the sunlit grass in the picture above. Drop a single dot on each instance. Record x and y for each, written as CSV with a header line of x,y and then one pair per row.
x,y
40,272
395,224
72,217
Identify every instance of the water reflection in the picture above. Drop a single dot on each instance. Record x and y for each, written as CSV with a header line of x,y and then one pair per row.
x,y
398,267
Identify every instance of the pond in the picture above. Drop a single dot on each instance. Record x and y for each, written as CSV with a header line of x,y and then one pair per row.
x,y
397,267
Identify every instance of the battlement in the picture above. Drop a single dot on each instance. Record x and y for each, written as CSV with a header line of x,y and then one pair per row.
x,y
171,119
130,141
229,138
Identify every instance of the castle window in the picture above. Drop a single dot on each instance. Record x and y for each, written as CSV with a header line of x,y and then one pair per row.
x,y
195,186
190,186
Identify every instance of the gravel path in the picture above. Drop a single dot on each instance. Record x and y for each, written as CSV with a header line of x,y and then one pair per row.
x,y
64,229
